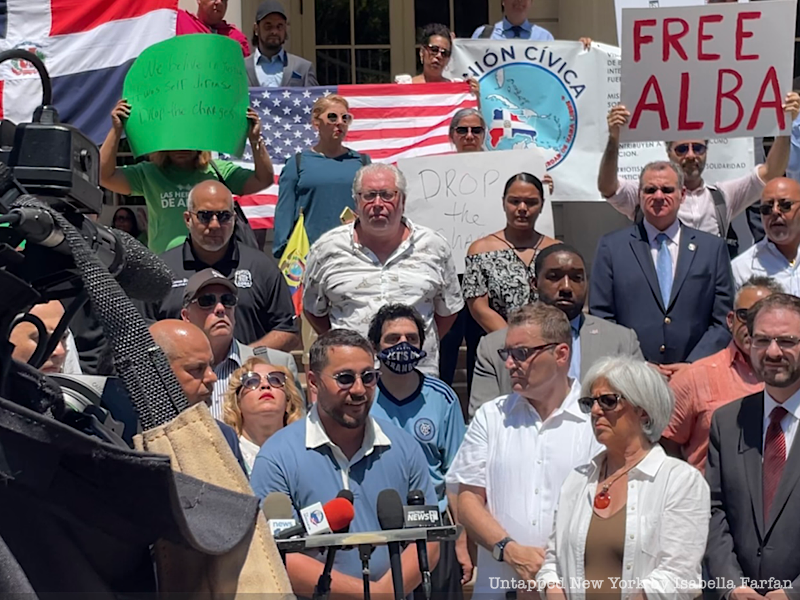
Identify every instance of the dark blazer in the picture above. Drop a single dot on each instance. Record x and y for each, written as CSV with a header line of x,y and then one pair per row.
x,y
297,72
599,339
740,543
624,289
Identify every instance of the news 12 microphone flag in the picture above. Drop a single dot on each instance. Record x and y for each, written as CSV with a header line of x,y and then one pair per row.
x,y
87,47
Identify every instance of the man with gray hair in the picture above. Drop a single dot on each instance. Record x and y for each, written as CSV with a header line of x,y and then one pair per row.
x,y
381,258
670,283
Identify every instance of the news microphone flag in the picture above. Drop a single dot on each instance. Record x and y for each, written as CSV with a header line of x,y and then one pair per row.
x,y
315,520
293,263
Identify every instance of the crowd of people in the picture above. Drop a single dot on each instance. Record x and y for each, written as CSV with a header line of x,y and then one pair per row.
x,y
627,435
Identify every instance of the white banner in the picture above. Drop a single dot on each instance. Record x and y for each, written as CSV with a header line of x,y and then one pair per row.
x,y
555,96
461,195
706,71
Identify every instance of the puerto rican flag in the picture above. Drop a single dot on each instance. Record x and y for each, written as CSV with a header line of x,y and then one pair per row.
x,y
506,124
86,45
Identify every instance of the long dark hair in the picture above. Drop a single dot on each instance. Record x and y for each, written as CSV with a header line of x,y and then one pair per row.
x,y
136,232
525,178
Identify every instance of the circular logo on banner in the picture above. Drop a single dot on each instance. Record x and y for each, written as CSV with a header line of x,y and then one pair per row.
x,y
316,517
510,91
424,429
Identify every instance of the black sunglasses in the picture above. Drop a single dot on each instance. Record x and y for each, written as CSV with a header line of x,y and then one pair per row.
x,y
252,380
347,379
434,49
522,353
465,130
784,206
206,216
334,117
207,301
652,189
605,401
697,148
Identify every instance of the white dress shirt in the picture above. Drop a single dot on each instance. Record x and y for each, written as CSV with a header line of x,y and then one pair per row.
x,y
764,259
521,462
666,529
673,232
788,423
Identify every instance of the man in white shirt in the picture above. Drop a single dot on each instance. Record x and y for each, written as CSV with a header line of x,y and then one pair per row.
x,y
382,258
519,449
776,255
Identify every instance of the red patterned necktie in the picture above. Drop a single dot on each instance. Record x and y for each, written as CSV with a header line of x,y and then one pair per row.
x,y
774,457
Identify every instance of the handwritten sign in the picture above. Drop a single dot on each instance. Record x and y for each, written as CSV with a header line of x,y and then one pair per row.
x,y
461,195
707,71
188,93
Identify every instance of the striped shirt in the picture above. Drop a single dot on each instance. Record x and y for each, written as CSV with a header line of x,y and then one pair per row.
x,y
223,371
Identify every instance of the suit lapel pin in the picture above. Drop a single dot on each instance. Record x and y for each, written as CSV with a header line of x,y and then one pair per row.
x,y
594,332
692,247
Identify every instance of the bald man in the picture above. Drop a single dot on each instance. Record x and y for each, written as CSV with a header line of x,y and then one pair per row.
x,y
189,354
776,255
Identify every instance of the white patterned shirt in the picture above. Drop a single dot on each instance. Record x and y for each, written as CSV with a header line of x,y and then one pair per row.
x,y
764,258
521,462
347,282
223,371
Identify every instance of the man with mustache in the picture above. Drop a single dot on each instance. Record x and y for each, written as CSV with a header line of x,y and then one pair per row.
x,y
210,18
776,255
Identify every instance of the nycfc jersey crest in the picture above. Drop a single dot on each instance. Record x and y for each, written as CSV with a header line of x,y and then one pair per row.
x,y
424,429
243,278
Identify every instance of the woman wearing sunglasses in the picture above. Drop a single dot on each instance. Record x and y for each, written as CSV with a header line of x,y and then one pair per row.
x,y
261,399
165,180
319,181
633,521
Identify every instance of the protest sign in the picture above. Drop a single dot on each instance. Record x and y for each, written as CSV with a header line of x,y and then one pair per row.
x,y
561,94
461,195
707,71
188,93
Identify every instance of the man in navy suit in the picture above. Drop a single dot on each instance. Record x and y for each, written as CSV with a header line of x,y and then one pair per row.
x,y
670,283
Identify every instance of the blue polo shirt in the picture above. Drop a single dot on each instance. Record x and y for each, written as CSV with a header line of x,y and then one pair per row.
x,y
504,30
301,461
432,414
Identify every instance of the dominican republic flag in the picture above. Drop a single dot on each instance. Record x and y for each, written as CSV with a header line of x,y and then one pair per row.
x,y
505,124
87,47
390,121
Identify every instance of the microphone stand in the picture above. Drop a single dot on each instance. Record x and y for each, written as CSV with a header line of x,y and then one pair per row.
x,y
365,551
323,587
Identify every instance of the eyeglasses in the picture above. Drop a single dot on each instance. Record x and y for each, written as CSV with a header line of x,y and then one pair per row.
x,y
604,401
333,117
474,130
784,206
741,314
522,353
434,49
652,189
385,195
347,379
206,216
785,342
252,380
206,301
697,148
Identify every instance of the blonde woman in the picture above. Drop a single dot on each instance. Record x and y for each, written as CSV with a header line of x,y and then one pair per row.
x,y
261,399
319,181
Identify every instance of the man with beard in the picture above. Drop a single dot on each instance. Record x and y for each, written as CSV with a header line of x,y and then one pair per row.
x,y
776,255
339,445
560,280
270,65
752,470
708,208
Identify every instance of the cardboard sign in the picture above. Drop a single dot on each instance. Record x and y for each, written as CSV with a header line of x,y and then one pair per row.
x,y
188,93
707,71
461,195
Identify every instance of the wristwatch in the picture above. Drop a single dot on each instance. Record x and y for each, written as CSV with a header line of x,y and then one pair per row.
x,y
499,549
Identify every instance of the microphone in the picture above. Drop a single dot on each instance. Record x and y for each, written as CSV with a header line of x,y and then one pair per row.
x,y
319,519
278,509
323,589
390,516
418,513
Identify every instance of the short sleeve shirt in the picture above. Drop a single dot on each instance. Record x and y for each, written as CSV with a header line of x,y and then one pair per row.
x,y
165,191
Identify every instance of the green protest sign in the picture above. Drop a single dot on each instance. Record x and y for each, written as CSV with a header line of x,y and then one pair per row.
x,y
188,93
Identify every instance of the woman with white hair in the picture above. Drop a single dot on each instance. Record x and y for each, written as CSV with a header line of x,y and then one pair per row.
x,y
634,519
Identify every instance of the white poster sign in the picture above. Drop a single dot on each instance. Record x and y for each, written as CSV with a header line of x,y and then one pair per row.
x,y
707,71
554,97
461,195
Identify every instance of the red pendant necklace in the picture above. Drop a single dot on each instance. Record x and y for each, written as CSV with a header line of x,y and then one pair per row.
x,y
602,499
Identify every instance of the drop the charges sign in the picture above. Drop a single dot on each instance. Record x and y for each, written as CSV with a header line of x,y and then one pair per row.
x,y
719,70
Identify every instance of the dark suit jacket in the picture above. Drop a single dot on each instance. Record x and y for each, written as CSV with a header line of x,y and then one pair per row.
x,y
624,289
740,543
297,72
599,339
229,433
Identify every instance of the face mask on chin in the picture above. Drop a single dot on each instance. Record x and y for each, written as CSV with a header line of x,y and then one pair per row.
x,y
401,358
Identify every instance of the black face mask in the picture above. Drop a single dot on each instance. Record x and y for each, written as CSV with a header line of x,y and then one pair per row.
x,y
401,358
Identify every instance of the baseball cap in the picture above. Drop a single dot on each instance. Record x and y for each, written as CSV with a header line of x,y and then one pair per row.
x,y
205,278
268,7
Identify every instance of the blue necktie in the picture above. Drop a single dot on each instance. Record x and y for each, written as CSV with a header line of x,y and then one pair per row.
x,y
664,267
517,29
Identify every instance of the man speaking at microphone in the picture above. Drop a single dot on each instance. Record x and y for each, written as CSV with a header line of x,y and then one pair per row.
x,y
339,445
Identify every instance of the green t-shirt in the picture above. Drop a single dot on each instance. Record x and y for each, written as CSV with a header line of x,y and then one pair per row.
x,y
165,191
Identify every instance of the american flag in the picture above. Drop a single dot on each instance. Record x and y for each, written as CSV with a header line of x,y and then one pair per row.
x,y
390,122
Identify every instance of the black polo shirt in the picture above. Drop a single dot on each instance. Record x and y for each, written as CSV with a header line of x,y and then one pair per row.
x,y
265,303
